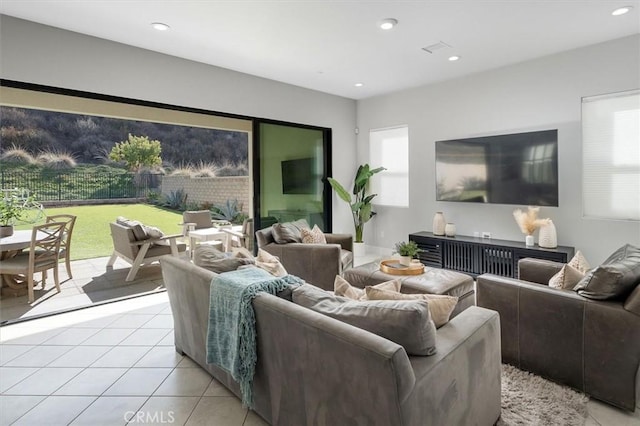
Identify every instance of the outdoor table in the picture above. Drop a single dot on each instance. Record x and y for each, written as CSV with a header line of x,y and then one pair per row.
x,y
15,285
208,234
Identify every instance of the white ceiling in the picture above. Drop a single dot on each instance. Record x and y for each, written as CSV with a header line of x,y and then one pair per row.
x,y
331,45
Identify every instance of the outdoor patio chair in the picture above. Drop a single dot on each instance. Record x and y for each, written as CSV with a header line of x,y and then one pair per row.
x,y
65,244
42,255
244,237
141,250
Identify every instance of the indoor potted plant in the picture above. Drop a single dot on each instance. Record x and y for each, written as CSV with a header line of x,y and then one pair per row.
x,y
14,206
361,204
407,251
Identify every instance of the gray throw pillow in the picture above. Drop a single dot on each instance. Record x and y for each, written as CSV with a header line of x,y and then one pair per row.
x,y
139,233
289,232
615,278
407,323
216,261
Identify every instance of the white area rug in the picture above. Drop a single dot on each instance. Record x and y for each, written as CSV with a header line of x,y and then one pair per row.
x,y
528,399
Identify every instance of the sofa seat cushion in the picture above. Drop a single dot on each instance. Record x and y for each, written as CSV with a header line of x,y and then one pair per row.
x,y
407,323
616,278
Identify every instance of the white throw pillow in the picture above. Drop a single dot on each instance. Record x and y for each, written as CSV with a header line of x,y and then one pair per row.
x,y
341,287
270,263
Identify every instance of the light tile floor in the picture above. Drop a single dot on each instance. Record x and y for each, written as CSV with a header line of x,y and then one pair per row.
x,y
115,364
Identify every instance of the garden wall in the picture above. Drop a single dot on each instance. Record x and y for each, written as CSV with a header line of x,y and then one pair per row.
x,y
216,190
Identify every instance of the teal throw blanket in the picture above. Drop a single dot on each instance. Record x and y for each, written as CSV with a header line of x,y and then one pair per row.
x,y
231,337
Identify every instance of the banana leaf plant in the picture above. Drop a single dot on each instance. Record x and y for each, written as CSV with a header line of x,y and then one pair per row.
x,y
361,203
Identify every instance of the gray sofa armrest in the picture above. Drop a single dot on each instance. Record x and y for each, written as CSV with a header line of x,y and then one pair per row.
x,y
345,240
537,270
317,264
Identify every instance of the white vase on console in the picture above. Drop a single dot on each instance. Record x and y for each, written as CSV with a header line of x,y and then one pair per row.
x,y
548,238
439,223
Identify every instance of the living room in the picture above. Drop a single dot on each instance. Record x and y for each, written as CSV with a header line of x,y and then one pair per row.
x,y
538,93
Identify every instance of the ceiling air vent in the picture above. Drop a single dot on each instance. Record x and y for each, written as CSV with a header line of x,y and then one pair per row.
x,y
435,47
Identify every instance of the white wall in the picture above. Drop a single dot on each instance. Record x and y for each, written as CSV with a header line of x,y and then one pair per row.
x,y
540,94
39,54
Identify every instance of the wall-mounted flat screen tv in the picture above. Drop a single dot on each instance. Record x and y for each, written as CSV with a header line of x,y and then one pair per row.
x,y
519,168
299,176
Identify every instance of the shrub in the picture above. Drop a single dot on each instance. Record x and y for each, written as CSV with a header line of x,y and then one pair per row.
x,y
137,152
205,170
17,155
176,200
230,211
56,160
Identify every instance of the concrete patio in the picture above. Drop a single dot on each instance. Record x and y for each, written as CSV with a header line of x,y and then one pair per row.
x,y
92,283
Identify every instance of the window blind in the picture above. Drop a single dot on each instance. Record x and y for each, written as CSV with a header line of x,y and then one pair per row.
x,y
611,156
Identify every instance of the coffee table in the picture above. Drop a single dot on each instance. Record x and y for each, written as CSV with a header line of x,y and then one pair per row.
x,y
432,281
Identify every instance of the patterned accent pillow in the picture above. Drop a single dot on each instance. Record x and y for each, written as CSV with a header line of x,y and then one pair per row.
x,y
566,278
341,287
579,262
440,305
313,236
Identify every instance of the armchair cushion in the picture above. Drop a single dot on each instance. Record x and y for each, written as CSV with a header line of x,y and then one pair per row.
x,y
289,232
407,323
615,278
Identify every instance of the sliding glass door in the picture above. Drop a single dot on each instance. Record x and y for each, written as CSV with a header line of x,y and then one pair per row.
x,y
290,170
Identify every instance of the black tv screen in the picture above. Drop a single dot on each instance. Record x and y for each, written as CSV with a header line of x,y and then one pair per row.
x,y
519,168
298,176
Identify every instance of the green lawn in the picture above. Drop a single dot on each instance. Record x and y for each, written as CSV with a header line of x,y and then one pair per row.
x,y
91,237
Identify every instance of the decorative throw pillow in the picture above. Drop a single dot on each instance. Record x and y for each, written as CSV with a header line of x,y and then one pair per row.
x,y
153,232
408,323
615,278
242,252
440,305
289,232
210,258
270,263
341,287
138,231
567,277
313,236
579,262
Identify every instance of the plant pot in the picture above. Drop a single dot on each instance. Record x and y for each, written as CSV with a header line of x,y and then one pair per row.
x,y
359,249
6,231
405,260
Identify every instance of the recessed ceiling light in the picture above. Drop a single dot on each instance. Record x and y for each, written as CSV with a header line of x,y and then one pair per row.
x,y
160,26
454,58
359,84
389,23
621,10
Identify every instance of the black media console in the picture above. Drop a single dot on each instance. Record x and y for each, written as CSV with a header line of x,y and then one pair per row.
x,y
476,256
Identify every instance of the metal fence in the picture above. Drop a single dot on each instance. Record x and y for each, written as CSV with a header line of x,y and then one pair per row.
x,y
51,185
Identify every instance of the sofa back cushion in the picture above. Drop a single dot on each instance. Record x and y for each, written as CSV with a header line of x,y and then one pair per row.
x,y
632,304
615,278
407,323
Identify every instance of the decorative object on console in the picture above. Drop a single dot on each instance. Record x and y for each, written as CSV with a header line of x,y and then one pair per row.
x,y
450,230
393,267
528,222
439,222
361,206
547,237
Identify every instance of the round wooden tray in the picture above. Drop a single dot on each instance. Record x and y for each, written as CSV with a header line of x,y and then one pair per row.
x,y
393,267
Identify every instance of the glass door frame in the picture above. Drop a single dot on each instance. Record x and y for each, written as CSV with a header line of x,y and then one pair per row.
x,y
326,170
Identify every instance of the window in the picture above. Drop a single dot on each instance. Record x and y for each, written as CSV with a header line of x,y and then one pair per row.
x,y
389,148
611,156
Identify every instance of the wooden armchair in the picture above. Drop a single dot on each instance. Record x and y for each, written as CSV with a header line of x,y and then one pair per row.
x,y
65,243
140,252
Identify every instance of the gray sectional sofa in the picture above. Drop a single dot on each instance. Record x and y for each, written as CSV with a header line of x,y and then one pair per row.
x,y
316,370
